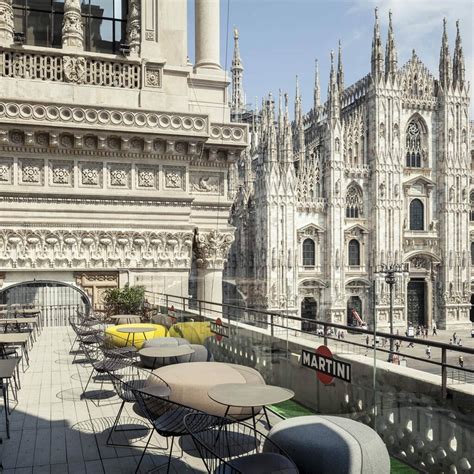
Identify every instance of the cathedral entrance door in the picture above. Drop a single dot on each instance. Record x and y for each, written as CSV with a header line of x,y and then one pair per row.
x,y
416,302
356,303
309,308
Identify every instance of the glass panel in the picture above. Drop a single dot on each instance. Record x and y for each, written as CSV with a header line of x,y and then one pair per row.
x,y
43,5
102,8
57,30
416,215
101,35
38,29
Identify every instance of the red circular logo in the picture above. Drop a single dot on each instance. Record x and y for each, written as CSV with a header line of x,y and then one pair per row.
x,y
326,379
219,323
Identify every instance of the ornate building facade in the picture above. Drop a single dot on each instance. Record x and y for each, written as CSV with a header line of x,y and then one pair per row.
x,y
114,148
378,174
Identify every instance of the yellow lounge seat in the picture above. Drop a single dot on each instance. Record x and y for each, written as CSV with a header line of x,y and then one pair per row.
x,y
119,339
195,332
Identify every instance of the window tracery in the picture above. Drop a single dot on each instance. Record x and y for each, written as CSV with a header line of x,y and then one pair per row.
x,y
413,145
354,202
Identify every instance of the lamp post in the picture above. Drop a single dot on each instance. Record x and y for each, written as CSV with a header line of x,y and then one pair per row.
x,y
390,272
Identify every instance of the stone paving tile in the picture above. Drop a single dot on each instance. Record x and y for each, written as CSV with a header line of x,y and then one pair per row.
x,y
55,430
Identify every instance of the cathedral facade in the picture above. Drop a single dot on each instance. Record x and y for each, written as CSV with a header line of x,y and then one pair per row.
x,y
378,175
114,147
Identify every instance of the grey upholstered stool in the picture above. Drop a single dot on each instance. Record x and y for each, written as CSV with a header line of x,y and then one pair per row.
x,y
332,445
160,342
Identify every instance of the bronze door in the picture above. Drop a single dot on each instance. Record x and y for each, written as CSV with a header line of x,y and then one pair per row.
x,y
416,302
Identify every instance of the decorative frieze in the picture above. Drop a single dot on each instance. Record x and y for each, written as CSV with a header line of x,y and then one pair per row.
x,y
62,173
174,177
153,76
6,171
46,248
91,174
119,175
206,182
147,177
31,172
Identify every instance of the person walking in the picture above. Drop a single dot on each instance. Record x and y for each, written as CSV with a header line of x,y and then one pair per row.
x,y
428,352
435,333
367,340
397,346
461,361
454,338
412,344
459,342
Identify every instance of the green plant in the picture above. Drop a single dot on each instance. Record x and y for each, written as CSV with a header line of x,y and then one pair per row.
x,y
126,300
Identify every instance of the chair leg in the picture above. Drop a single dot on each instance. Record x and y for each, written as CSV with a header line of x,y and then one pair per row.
x,y
169,458
87,384
144,451
116,422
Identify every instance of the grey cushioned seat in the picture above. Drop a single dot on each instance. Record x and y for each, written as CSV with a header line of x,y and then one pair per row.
x,y
261,463
161,342
331,444
201,354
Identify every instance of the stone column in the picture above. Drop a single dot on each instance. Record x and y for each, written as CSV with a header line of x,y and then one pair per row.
x,y
211,249
207,21
6,23
133,27
73,29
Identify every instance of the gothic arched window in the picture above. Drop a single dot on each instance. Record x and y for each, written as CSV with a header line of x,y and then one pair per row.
x,y
354,202
354,253
417,215
413,145
471,200
309,254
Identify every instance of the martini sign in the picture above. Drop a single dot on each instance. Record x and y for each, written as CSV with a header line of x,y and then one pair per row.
x,y
218,328
327,368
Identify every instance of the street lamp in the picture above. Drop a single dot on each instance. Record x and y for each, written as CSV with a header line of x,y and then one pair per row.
x,y
390,271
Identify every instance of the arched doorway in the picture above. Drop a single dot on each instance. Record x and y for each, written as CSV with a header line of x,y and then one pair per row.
x,y
356,303
309,309
56,300
416,301
472,309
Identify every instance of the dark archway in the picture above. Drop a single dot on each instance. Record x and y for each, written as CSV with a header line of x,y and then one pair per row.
x,y
416,294
309,310
356,303
472,309
56,300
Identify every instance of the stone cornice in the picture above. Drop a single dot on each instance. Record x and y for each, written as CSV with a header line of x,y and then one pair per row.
x,y
179,125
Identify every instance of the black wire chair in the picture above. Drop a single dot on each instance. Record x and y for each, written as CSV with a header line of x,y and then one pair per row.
x,y
236,449
102,364
134,377
166,417
83,334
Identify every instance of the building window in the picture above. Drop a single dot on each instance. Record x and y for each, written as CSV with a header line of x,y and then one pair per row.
x,y
354,202
41,21
417,219
354,253
471,214
309,258
413,145
105,24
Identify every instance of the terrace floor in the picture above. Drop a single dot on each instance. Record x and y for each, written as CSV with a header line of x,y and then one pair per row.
x,y
54,430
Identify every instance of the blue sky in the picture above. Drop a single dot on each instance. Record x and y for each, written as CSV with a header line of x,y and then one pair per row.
x,y
282,38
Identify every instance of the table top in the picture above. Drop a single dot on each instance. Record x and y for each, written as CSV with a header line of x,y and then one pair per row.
x,y
166,351
31,320
157,390
137,330
7,367
14,338
249,395
125,316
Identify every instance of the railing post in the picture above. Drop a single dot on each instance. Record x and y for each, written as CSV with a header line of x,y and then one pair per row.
x,y
444,375
166,303
325,329
200,308
271,324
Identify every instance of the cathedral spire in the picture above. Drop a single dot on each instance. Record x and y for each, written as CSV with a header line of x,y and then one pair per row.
x,y
377,51
333,92
237,104
317,91
459,70
340,70
299,127
391,59
444,60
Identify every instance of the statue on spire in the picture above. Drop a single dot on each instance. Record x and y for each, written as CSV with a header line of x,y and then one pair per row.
x,y
317,91
340,70
459,69
377,58
444,60
391,59
237,102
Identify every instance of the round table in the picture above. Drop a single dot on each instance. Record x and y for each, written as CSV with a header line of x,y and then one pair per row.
x,y
249,396
130,318
161,352
133,331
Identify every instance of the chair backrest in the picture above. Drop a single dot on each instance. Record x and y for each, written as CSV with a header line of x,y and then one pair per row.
x,y
166,416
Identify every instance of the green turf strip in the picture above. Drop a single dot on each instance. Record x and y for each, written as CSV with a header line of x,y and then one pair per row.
x,y
290,409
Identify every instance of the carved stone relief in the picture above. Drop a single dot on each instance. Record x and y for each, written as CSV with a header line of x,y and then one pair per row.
x,y
207,182
6,171
153,76
212,248
175,177
91,174
31,172
119,175
62,173
147,177
74,69
42,248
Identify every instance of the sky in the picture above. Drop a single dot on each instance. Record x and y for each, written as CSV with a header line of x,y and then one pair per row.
x,y
280,39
